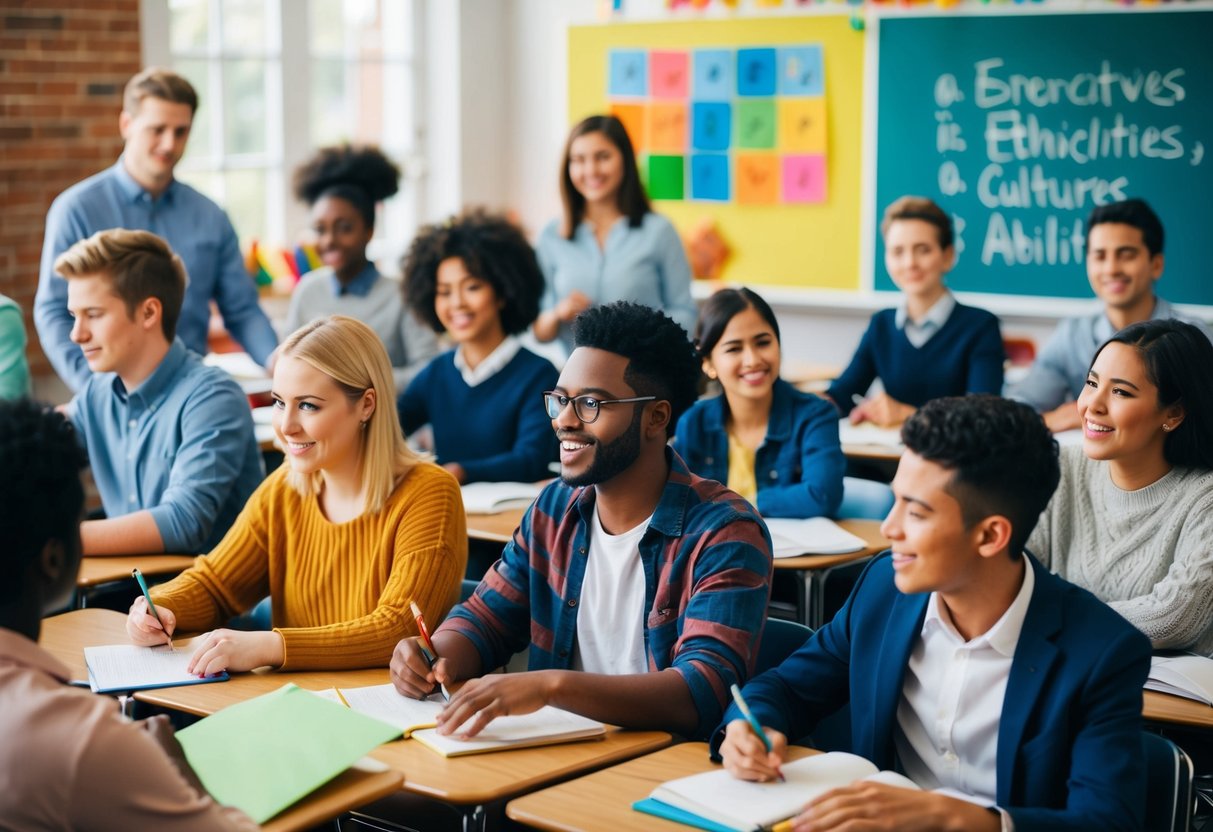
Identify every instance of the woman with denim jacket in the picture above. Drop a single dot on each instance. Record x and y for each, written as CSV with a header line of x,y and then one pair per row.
x,y
764,439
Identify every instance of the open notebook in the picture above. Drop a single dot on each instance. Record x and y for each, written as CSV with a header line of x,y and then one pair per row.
x,y
117,668
492,497
1188,676
417,718
812,536
718,801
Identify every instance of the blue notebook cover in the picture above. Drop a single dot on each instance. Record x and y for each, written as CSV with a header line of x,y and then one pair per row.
x,y
121,668
652,806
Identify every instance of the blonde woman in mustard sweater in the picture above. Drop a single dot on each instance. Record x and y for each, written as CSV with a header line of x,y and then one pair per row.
x,y
342,537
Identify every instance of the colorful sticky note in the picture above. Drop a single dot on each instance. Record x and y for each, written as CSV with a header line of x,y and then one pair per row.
x,y
710,176
667,127
756,123
802,125
756,72
665,180
756,181
668,74
804,178
634,118
628,73
711,126
801,71
712,75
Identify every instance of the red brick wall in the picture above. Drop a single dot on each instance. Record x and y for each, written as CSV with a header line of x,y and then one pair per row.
x,y
62,69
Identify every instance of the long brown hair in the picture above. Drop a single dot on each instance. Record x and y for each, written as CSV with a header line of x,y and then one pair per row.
x,y
631,198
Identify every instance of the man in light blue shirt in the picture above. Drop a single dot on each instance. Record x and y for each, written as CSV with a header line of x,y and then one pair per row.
x,y
139,191
1124,261
170,440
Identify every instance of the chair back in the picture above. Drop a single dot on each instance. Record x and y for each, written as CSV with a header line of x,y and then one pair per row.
x,y
865,499
780,639
466,588
1169,796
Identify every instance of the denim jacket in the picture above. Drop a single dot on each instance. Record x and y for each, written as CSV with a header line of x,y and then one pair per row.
x,y
799,466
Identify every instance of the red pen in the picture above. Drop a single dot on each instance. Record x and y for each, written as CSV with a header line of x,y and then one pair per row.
x,y
427,644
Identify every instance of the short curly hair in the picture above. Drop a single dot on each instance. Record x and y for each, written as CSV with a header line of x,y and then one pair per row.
x,y
493,249
40,493
360,174
662,362
1003,458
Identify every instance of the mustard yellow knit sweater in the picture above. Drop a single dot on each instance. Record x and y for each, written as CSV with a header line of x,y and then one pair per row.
x,y
340,591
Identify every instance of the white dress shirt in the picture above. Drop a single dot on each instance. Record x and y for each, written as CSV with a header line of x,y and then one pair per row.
x,y
492,363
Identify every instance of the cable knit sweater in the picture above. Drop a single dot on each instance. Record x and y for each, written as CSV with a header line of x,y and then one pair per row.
x,y
340,591
1148,553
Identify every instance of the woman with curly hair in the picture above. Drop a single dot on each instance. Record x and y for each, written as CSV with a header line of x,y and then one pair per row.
x,y
342,185
476,278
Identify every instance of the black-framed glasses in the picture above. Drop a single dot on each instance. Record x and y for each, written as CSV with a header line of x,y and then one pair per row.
x,y
587,408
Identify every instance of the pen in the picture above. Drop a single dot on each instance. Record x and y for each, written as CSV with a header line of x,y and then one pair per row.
x,y
147,596
856,399
427,644
749,717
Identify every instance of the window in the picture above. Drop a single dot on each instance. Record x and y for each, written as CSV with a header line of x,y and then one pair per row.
x,y
279,78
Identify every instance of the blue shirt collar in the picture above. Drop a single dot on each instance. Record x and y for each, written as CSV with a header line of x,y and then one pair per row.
x,y
132,190
161,379
779,422
360,286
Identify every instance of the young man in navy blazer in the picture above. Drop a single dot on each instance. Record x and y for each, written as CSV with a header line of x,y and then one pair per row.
x,y
967,665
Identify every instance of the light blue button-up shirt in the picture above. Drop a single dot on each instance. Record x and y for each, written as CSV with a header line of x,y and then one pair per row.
x,y
180,445
646,265
198,231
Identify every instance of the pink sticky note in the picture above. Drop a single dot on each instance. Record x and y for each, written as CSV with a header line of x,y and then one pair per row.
x,y
804,178
668,74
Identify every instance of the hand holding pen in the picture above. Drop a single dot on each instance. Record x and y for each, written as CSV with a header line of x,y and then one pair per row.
x,y
749,752
427,644
139,628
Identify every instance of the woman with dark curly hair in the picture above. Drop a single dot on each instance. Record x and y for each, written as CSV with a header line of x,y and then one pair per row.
x,y
476,278
342,185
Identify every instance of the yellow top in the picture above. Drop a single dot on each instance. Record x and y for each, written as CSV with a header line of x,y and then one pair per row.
x,y
741,470
340,591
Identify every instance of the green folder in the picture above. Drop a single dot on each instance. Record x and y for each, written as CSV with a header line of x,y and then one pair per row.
x,y
264,754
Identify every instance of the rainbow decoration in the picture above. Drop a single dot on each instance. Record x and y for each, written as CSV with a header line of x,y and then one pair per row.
x,y
279,267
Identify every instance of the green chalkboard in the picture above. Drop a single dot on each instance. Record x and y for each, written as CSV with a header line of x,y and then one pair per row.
x,y
1018,124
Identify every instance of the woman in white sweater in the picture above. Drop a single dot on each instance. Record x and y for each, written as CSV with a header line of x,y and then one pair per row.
x,y
1132,519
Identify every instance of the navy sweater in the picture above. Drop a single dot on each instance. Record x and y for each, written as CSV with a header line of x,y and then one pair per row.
x,y
498,430
964,356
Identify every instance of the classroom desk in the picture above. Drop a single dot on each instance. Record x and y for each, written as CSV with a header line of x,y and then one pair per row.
x,y
1176,710
100,572
603,800
354,787
814,569
495,528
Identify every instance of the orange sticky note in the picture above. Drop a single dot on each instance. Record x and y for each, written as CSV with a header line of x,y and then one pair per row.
x,y
667,128
802,125
757,179
634,117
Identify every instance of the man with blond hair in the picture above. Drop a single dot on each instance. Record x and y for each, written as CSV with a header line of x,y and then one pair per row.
x,y
170,440
139,191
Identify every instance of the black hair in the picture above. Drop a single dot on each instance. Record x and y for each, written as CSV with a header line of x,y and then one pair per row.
x,y
360,174
41,497
1134,212
631,198
1179,362
662,362
493,249
721,308
1002,457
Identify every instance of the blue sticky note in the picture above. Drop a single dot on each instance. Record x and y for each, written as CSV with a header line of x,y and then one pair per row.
x,y
712,75
756,72
801,71
711,125
710,176
629,73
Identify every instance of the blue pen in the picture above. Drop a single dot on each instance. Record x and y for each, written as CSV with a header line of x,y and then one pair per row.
x,y
138,576
753,722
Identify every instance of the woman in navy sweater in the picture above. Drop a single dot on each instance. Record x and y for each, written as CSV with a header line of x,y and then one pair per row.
x,y
930,346
772,444
477,278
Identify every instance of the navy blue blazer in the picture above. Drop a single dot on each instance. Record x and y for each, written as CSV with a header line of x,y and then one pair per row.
x,y
1069,739
800,465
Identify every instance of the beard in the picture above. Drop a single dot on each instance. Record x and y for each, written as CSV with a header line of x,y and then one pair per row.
x,y
610,459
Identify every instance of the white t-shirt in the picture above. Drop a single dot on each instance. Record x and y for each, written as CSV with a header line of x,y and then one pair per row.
x,y
610,623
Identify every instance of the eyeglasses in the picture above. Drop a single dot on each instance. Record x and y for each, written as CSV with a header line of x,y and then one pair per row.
x,y
586,408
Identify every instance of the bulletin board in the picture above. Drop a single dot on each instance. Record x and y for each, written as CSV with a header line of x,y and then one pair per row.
x,y
782,184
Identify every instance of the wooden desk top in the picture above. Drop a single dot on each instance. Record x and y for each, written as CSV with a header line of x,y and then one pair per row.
x,y
869,530
354,787
495,528
100,569
1176,710
484,778
603,800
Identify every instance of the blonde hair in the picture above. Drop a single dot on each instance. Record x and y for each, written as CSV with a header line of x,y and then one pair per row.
x,y
919,208
157,82
138,264
351,354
